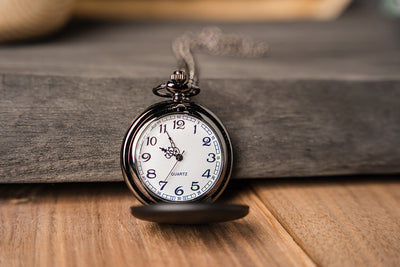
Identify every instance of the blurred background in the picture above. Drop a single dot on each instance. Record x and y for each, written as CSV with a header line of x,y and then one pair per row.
x,y
24,19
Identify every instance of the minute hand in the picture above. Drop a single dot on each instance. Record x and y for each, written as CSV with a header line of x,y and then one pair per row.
x,y
173,146
170,139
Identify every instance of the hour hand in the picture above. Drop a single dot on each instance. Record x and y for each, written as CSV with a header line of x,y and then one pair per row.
x,y
170,152
163,149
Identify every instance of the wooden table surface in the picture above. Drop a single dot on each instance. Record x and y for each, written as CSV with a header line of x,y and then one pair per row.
x,y
307,222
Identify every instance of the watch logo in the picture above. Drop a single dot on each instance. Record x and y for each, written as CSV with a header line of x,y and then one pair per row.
x,y
179,173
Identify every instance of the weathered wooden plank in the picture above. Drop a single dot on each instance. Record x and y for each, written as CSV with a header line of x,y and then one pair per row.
x,y
339,223
56,129
91,225
324,102
355,47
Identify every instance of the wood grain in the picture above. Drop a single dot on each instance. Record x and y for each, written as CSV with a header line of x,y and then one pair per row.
x,y
355,47
316,106
291,223
90,225
61,129
339,223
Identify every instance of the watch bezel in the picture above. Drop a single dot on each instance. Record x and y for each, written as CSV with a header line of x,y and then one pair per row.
x,y
154,112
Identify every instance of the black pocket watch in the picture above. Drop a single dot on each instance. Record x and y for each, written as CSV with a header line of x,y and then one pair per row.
x,y
177,156
177,159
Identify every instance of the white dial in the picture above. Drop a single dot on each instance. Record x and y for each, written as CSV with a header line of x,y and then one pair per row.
x,y
178,157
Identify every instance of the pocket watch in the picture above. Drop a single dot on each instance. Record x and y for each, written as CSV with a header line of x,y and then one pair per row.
x,y
177,156
178,152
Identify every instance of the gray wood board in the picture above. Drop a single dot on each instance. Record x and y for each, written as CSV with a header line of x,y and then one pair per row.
x,y
324,102
60,128
353,47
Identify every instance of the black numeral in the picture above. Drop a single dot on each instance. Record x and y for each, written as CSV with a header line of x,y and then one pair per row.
x,y
162,184
206,173
146,157
195,186
179,191
211,157
206,141
152,141
195,129
151,173
179,124
163,128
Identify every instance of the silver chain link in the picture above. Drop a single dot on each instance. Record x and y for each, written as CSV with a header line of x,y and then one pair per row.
x,y
215,42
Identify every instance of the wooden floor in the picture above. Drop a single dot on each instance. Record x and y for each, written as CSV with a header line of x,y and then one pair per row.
x,y
307,222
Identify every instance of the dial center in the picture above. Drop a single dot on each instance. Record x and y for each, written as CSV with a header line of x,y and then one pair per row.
x,y
179,157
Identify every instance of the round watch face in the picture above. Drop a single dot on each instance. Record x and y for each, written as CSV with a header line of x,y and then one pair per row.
x,y
176,152
178,157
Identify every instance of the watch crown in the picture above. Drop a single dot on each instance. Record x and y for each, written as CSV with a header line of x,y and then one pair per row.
x,y
178,77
